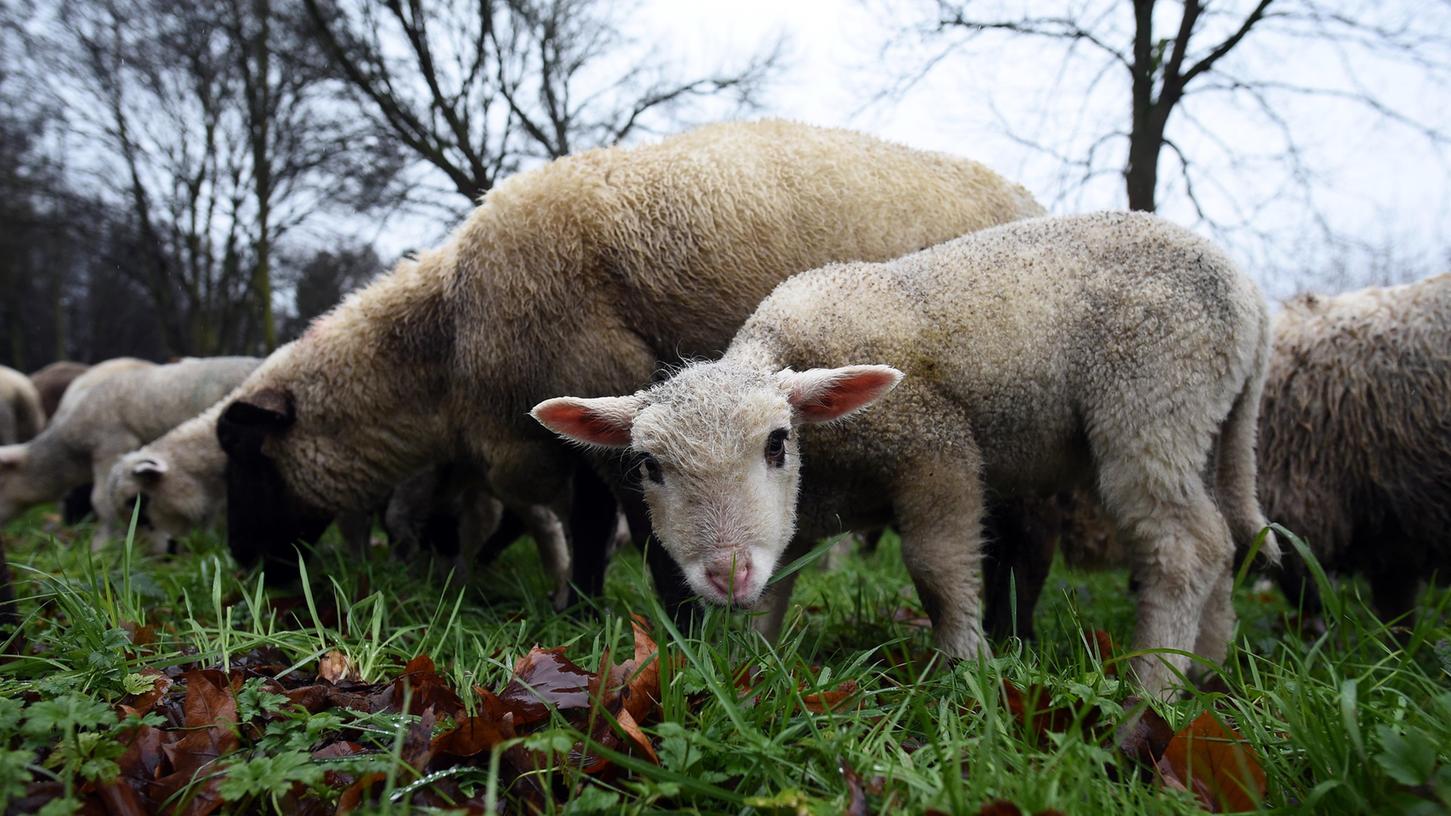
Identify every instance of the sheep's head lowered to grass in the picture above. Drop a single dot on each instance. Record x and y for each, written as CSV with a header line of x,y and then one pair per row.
x,y
719,463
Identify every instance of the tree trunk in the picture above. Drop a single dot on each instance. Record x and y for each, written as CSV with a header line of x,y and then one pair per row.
x,y
261,106
1141,174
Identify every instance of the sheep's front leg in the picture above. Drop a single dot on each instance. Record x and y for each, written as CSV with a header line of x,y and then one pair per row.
x,y
939,514
547,531
772,607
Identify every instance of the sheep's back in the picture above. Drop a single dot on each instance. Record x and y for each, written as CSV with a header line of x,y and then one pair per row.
x,y
1355,435
1032,327
675,243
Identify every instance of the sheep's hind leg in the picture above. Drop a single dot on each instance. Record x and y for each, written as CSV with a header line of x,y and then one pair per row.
x,y
939,517
1182,555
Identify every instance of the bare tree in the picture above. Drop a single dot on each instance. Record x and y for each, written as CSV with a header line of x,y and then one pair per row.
x,y
475,87
1180,77
220,139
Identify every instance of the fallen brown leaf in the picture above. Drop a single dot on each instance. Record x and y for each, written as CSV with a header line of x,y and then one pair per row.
x,y
474,736
824,701
1206,752
637,737
142,703
545,679
425,690
335,668
1032,708
1145,736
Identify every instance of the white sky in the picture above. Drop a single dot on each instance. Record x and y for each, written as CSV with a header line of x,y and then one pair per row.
x,y
1379,184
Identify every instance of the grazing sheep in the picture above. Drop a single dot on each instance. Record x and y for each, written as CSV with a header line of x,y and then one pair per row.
x,y
1355,437
179,477
1112,349
114,408
577,277
53,380
21,416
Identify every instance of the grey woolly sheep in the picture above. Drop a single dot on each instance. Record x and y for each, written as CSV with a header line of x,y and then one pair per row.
x,y
1355,437
113,408
1113,350
53,380
21,416
576,277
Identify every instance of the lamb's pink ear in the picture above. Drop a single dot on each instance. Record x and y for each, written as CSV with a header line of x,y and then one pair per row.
x,y
824,394
603,421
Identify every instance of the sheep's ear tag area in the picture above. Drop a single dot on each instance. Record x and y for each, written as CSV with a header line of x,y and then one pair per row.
x,y
248,421
825,394
604,421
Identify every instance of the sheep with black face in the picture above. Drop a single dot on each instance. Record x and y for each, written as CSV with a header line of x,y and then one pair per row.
x,y
1113,351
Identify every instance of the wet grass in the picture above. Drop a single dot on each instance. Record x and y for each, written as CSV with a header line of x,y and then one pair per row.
x,y
1354,720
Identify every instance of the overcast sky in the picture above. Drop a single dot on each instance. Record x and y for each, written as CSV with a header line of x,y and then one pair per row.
x,y
1376,183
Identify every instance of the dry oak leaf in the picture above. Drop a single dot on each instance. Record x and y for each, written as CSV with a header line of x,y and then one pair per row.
x,y
335,668
1216,761
824,701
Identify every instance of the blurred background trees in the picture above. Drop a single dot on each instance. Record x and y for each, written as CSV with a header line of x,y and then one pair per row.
x,y
186,177
205,176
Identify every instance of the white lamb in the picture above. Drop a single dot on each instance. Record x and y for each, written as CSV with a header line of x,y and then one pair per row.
x,y
113,408
1112,350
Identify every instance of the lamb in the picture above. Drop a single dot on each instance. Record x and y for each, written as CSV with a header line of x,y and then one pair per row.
x,y
1112,350
1355,453
21,417
576,277
113,408
178,476
53,380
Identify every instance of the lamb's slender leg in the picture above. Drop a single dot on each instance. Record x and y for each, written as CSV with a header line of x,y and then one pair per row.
x,y
1393,593
548,534
939,515
1216,625
1020,535
478,518
773,605
591,523
356,530
1183,555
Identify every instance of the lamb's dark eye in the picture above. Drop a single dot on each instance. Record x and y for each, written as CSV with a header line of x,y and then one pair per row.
x,y
650,469
776,446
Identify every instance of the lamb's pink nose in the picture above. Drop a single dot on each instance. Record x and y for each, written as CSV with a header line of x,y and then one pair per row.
x,y
732,576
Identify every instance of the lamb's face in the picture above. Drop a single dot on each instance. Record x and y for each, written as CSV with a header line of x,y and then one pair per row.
x,y
719,462
174,500
719,468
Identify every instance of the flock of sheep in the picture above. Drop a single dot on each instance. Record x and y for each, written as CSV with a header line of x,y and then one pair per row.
x,y
874,335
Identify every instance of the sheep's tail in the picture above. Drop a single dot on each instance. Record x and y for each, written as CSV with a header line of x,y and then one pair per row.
x,y
1237,472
